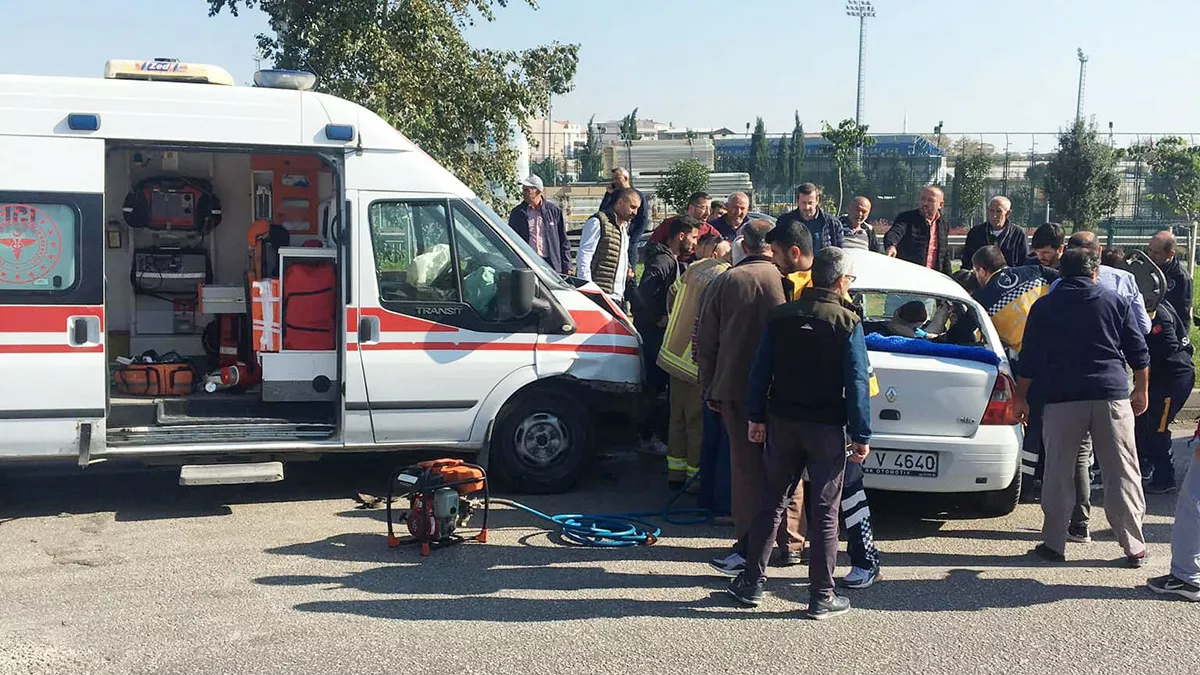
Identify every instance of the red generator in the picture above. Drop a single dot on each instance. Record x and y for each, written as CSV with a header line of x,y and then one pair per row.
x,y
442,496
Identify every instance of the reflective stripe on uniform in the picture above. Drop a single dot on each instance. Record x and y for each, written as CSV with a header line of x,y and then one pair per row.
x,y
692,471
676,464
1166,413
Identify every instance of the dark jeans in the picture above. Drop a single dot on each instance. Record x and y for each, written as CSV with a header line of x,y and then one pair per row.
x,y
1153,429
715,487
792,447
657,411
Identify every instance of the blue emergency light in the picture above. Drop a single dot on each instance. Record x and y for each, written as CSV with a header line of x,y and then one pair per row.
x,y
83,122
339,132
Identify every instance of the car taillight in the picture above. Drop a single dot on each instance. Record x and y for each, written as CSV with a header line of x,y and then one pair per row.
x,y
1000,406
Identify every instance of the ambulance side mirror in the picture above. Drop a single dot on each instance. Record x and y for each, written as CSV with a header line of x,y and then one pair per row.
x,y
522,291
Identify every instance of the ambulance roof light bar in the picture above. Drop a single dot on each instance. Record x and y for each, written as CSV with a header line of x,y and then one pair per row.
x,y
298,80
166,70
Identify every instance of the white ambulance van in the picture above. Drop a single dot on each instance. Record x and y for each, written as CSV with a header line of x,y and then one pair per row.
x,y
228,277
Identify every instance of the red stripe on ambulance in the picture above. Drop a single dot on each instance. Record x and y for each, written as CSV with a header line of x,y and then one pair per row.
x,y
44,318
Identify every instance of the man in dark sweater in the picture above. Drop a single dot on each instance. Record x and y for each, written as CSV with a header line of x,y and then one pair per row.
x,y
1179,282
999,232
804,422
1077,341
920,236
826,229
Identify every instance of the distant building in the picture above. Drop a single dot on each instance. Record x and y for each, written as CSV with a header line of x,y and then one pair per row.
x,y
611,130
555,138
652,157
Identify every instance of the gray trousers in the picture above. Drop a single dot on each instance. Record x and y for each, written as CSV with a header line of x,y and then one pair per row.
x,y
1185,537
1113,444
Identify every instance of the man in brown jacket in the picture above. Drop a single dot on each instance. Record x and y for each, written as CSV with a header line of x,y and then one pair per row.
x,y
732,318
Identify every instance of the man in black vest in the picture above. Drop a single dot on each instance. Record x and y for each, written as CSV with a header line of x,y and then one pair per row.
x,y
803,421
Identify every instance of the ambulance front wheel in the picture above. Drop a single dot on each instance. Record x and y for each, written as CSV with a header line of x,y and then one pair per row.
x,y
541,443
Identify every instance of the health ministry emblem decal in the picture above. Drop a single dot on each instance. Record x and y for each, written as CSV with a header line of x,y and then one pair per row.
x,y
30,244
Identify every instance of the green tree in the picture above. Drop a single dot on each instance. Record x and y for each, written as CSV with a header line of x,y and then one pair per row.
x,y
685,178
410,63
796,168
760,155
844,143
1081,178
1174,182
590,160
547,169
970,174
629,127
782,163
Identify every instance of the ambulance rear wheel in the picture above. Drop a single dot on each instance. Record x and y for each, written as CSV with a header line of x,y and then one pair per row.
x,y
542,443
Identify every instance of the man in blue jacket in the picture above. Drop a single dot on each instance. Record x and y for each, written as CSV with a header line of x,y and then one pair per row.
x,y
540,224
804,421
1077,341
826,229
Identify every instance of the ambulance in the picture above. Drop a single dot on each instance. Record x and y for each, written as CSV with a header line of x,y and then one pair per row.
x,y
227,278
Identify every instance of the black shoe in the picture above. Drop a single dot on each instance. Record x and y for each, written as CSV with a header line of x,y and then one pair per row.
x,y
1031,494
1048,554
745,591
820,609
1079,534
675,485
1170,584
783,558
1136,561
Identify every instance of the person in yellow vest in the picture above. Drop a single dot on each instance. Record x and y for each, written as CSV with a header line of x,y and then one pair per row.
x,y
792,251
684,433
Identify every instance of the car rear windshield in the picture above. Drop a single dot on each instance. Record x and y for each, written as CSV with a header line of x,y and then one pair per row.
x,y
933,318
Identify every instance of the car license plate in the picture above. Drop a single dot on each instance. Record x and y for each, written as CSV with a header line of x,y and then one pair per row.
x,y
902,463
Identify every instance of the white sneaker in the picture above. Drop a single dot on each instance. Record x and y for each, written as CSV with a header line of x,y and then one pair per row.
x,y
731,565
859,578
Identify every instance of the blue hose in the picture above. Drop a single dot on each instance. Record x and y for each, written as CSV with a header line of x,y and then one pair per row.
x,y
618,529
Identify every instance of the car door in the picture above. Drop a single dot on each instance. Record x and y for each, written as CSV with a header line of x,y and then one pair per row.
x,y
430,338
53,399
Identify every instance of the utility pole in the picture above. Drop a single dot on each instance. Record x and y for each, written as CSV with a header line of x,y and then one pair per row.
x,y
1083,59
862,10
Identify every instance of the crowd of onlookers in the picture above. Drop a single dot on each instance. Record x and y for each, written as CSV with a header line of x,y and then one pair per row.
x,y
730,310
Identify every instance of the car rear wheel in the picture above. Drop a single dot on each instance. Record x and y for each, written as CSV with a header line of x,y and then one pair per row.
x,y
541,443
1002,502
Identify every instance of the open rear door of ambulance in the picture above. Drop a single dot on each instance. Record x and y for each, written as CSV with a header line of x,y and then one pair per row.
x,y
52,364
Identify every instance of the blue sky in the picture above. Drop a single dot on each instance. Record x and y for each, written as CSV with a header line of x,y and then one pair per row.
x,y
979,65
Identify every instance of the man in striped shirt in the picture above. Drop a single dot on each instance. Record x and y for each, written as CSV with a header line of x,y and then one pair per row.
x,y
856,231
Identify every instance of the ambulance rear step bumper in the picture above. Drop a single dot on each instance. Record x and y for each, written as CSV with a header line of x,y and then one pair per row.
x,y
231,474
214,433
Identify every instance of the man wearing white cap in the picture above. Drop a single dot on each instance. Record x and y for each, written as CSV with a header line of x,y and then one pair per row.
x,y
540,224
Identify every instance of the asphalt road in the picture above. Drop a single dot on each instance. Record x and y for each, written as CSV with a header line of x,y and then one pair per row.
x,y
132,574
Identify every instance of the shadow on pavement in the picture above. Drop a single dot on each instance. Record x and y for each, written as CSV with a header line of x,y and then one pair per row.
x,y
965,590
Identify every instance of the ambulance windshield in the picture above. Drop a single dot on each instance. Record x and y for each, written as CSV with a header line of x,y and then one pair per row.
x,y
543,268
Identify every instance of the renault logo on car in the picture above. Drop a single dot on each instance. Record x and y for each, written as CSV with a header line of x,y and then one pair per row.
x,y
890,394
